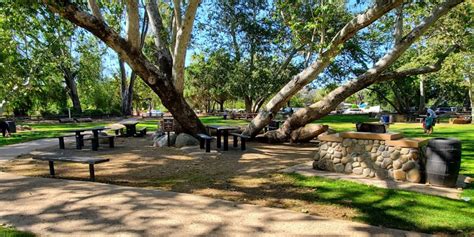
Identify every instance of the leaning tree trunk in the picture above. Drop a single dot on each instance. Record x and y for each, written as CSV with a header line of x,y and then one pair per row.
x,y
69,78
325,58
158,77
371,76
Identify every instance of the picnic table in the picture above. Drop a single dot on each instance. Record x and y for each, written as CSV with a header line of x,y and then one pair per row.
x,y
222,131
79,136
131,127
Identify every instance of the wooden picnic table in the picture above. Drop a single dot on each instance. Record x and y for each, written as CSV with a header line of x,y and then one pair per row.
x,y
225,133
79,136
131,127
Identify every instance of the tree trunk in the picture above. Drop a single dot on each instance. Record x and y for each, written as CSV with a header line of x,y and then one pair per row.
x,y
158,77
69,78
248,104
471,97
324,59
371,76
125,91
221,106
422,105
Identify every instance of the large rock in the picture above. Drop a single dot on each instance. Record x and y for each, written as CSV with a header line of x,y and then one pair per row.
x,y
358,170
386,162
339,168
397,164
348,168
308,132
185,139
408,166
414,176
161,141
399,175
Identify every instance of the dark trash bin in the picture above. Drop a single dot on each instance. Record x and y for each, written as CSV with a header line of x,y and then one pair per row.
x,y
443,161
11,126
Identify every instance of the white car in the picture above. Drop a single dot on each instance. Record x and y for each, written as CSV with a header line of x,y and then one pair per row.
x,y
353,111
156,113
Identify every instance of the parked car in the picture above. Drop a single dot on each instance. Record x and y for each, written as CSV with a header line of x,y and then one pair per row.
x,y
156,113
353,111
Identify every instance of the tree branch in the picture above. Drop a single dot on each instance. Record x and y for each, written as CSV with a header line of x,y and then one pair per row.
x,y
95,9
133,25
421,70
183,37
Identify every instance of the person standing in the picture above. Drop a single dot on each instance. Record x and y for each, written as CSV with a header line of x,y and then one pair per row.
x,y
428,124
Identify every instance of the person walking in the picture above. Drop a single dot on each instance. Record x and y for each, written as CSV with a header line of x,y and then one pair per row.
x,y
428,124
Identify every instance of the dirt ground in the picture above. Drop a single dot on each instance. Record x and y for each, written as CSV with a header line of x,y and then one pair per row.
x,y
250,176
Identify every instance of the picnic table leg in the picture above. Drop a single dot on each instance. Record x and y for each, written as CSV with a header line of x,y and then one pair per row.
x,y
218,142
133,130
208,145
78,141
51,168
61,142
201,143
226,140
96,139
235,141
91,171
242,143
95,144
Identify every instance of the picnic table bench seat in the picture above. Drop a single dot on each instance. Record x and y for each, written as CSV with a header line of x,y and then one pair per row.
x,y
243,139
91,161
204,138
117,131
83,120
141,132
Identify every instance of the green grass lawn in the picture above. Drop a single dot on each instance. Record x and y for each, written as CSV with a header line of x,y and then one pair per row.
x,y
11,232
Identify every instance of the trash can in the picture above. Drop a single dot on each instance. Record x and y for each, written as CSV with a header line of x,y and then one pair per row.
x,y
11,126
443,161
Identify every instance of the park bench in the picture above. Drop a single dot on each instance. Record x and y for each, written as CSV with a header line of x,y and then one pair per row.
x,y
66,120
204,138
83,120
117,131
75,159
141,132
61,140
243,139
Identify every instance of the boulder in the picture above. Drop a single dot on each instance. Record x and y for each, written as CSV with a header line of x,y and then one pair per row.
x,y
413,176
358,170
348,168
339,168
386,162
161,141
399,175
395,155
316,156
408,166
184,139
366,172
397,164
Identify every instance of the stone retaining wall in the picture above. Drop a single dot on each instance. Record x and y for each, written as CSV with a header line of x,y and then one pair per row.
x,y
369,158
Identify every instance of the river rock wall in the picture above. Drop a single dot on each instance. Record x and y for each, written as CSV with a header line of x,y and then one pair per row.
x,y
369,158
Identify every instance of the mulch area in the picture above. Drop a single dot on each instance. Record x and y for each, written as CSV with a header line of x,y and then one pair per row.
x,y
252,176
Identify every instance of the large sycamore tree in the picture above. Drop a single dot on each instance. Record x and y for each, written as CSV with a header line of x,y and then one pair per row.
x,y
296,123
164,74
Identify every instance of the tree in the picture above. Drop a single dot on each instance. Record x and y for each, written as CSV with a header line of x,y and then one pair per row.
x,y
376,74
164,77
324,59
